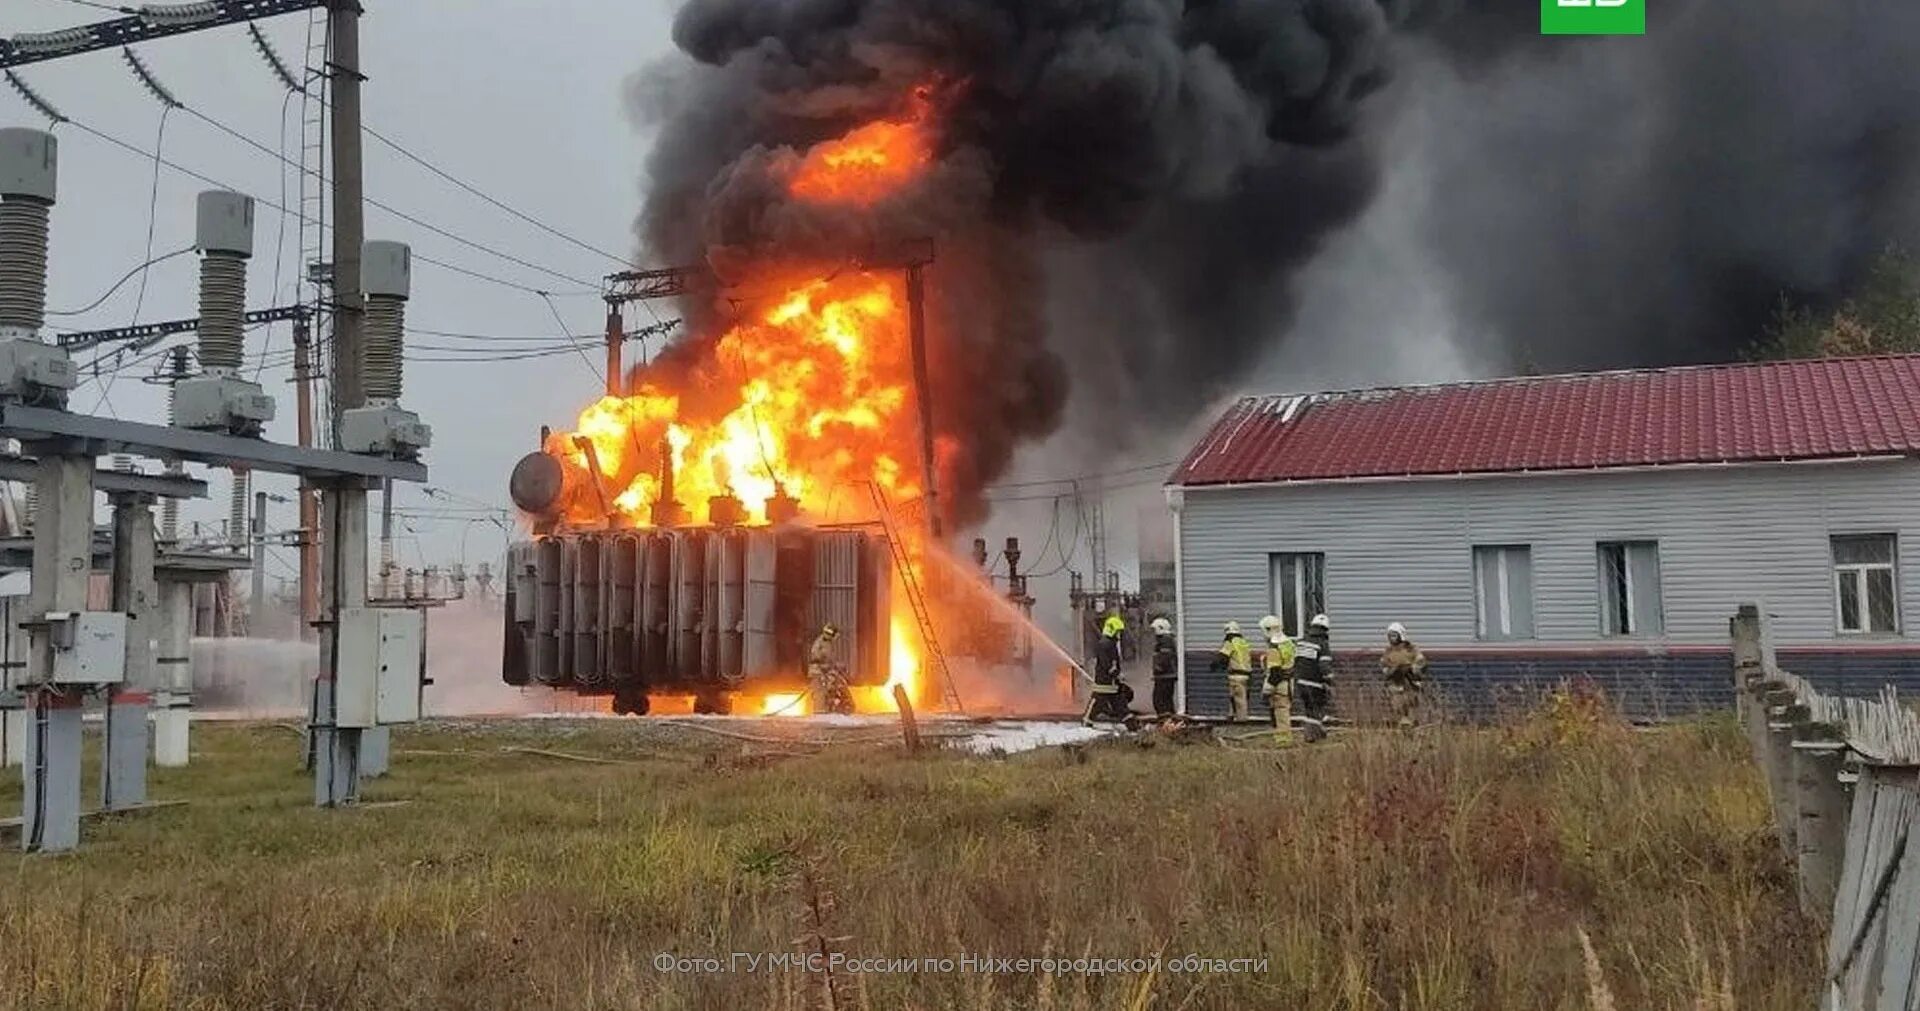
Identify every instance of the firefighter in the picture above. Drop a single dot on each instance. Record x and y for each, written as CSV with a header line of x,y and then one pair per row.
x,y
1313,680
1277,688
1166,667
1405,669
1110,696
828,683
1237,660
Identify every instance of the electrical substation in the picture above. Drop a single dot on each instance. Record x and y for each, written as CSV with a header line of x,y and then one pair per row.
x,y
128,662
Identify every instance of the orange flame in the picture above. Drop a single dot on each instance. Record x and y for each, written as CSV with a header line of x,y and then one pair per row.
x,y
808,396
868,165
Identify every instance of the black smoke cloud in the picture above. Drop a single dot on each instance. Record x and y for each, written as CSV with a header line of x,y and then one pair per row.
x,y
1126,189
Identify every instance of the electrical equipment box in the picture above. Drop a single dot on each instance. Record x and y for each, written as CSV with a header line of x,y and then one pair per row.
x,y
379,676
28,368
221,403
89,648
385,431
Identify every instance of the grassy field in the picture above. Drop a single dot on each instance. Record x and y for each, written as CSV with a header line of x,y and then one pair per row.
x,y
1563,863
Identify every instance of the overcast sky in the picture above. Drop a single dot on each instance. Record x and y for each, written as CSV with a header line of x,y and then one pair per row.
x,y
522,99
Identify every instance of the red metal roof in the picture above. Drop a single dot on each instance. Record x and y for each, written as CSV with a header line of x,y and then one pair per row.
x,y
1799,410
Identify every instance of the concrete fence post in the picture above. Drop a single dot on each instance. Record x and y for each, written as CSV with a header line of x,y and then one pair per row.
x,y
1780,712
1753,672
1822,809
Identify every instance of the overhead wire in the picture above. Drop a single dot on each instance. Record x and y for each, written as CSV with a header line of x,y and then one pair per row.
x,y
117,285
595,369
587,289
490,200
153,217
389,208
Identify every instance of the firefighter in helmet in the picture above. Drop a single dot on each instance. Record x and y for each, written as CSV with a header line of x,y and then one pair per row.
x,y
1166,667
1277,687
1405,669
1313,680
827,680
1110,696
1237,660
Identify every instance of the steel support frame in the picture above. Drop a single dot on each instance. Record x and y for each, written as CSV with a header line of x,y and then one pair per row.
x,y
94,436
128,31
22,470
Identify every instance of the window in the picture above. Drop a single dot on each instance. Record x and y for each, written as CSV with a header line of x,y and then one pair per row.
x,y
1864,585
1503,590
1630,588
1299,589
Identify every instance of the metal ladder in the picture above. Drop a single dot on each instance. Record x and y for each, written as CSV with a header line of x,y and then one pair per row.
x,y
903,563
314,177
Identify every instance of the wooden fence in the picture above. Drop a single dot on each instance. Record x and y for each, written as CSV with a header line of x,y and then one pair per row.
x,y
1843,775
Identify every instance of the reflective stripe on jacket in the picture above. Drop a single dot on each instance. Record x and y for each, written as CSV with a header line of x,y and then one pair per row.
x,y
1239,657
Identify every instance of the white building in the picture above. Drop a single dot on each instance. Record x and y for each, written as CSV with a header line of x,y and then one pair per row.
x,y
1602,526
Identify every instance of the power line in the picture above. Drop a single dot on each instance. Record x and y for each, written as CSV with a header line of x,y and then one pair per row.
x,y
117,285
462,184
210,181
595,369
1081,479
389,208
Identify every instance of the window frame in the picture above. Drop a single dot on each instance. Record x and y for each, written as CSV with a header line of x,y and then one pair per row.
x,y
1295,624
1631,598
1858,573
1503,554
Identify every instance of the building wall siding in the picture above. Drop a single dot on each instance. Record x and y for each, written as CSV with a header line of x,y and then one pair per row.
x,y
1402,550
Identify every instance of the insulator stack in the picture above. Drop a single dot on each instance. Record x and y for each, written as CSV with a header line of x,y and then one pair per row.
x,y
28,159
225,239
32,505
387,273
237,509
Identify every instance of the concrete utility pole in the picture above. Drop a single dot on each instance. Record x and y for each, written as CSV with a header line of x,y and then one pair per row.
x,y
343,573
136,592
616,339
309,499
923,391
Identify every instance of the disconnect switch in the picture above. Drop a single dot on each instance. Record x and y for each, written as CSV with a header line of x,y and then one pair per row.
x,y
378,676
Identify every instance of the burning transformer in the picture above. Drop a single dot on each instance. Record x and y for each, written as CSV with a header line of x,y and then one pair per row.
x,y
708,611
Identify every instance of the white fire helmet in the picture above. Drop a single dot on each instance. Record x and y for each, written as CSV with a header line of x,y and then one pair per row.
x,y
1232,628
1319,621
1396,630
1161,626
1271,625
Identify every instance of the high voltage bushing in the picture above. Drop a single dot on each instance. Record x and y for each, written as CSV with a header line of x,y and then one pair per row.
x,y
219,400
28,160
387,277
224,237
382,426
29,163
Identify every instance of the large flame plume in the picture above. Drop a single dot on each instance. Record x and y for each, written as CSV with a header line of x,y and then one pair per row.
x,y
806,394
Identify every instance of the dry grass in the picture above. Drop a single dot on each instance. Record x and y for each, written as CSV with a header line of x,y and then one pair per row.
x,y
1568,864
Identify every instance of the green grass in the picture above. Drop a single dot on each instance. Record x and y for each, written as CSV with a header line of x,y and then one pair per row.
x,y
1451,869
